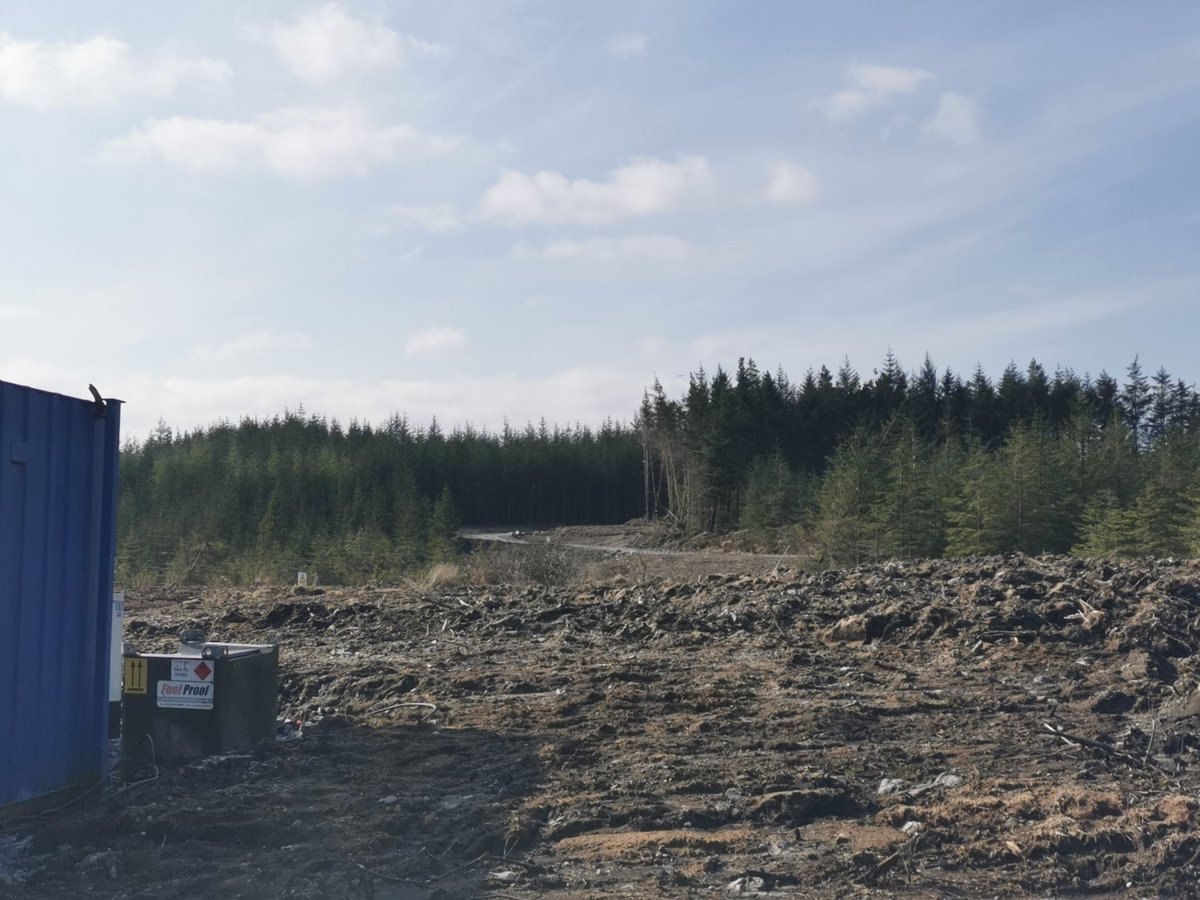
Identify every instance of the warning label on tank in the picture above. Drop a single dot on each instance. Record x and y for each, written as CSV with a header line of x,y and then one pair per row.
x,y
191,670
185,695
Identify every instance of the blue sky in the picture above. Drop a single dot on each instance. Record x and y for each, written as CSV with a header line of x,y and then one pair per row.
x,y
481,210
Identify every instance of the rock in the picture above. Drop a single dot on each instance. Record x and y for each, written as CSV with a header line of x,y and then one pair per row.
x,y
747,884
891,786
900,786
851,628
945,780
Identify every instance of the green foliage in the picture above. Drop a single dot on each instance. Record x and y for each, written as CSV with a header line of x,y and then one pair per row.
x,y
265,499
847,528
920,464
1107,528
1015,499
443,528
912,510
773,496
897,464
1166,508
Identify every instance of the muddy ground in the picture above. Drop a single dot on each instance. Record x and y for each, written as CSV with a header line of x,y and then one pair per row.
x,y
988,727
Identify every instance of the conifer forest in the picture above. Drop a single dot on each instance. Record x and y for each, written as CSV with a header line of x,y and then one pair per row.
x,y
847,468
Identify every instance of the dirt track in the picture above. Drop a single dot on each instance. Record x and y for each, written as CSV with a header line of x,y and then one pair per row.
x,y
720,734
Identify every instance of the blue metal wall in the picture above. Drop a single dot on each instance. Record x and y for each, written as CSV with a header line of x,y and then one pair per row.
x,y
58,490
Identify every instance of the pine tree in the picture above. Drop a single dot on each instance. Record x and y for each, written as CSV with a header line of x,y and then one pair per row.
x,y
847,528
925,401
1162,402
1037,391
847,378
1135,402
911,510
1012,395
1039,498
443,528
975,525
983,415
772,495
1103,397
1017,499
1166,507
1106,528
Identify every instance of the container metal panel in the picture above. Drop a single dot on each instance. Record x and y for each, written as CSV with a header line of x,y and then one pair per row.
x,y
58,489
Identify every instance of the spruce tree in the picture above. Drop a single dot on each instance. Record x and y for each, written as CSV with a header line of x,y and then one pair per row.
x,y
443,528
925,401
1166,507
975,525
1103,396
1106,528
911,509
772,495
1135,402
847,528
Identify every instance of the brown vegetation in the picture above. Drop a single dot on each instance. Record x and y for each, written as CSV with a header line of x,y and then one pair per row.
x,y
958,728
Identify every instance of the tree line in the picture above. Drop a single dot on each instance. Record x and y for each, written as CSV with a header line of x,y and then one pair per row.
x,y
898,463
263,499
929,463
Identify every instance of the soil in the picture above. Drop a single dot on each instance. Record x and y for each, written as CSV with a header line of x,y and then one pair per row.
x,y
991,727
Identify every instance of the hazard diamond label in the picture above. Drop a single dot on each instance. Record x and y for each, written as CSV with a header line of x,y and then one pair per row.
x,y
192,669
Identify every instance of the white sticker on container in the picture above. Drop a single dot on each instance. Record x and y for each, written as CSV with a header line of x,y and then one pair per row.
x,y
192,669
185,695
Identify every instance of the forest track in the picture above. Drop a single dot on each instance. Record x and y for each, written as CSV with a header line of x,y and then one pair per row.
x,y
985,727
540,538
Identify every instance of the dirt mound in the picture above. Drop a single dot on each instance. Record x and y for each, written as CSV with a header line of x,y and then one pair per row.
x,y
995,726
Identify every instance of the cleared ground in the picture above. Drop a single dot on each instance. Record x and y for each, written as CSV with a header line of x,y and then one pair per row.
x,y
990,727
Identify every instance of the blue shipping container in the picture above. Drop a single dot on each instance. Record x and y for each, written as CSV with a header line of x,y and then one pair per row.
x,y
58,496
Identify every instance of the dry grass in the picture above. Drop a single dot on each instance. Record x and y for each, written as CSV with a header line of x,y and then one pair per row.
x,y
441,575
526,564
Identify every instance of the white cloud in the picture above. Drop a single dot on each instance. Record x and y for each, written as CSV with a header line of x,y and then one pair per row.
x,y
327,44
952,337
956,119
46,376
573,395
628,45
437,217
1030,320
790,184
870,85
650,346
432,341
607,249
304,143
258,342
96,70
645,186
10,312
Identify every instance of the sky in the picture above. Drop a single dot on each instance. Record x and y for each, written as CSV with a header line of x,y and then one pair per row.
x,y
495,210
